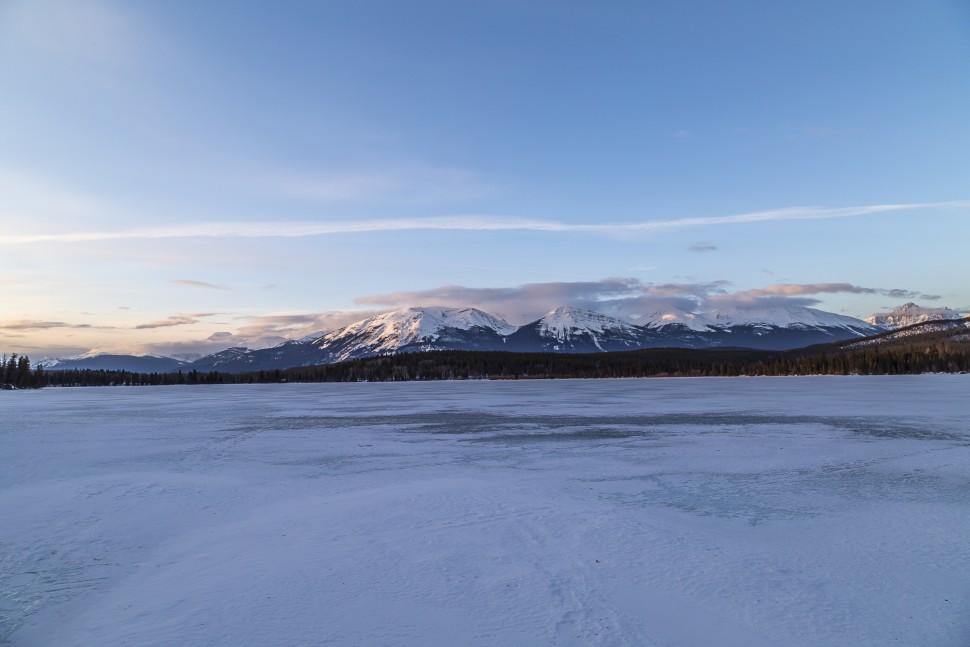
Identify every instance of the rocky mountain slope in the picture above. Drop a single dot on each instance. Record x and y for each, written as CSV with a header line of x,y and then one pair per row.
x,y
909,314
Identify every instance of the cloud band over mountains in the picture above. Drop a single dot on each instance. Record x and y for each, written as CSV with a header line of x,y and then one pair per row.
x,y
625,297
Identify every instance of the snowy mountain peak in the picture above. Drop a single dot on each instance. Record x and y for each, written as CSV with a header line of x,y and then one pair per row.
x,y
391,331
563,330
675,316
785,317
909,314
411,324
467,318
565,322
308,338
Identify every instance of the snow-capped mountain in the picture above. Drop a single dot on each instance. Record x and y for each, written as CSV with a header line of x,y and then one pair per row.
x,y
114,362
577,330
765,327
233,359
564,330
957,330
311,336
406,330
786,317
415,329
777,328
675,317
403,327
909,314
564,323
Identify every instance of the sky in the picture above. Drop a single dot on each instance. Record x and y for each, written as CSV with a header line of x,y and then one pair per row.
x,y
180,177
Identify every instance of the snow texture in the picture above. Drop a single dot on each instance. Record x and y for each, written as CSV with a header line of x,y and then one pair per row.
x,y
392,330
565,322
909,314
675,316
762,511
927,326
787,316
565,329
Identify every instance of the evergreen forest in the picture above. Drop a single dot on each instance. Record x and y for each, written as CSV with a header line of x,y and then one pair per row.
x,y
924,355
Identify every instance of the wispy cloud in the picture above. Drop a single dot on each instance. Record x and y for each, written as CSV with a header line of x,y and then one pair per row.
x,y
298,325
908,294
259,331
30,324
700,248
465,223
624,297
458,295
199,284
616,296
176,320
801,289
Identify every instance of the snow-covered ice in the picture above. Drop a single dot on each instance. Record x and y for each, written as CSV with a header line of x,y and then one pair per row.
x,y
794,511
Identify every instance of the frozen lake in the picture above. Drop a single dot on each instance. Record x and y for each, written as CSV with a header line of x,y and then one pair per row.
x,y
795,511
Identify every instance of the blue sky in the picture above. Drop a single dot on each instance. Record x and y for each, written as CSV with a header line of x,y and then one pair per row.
x,y
180,176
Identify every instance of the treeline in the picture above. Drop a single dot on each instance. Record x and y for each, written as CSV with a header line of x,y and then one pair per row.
x,y
16,373
104,377
940,357
655,362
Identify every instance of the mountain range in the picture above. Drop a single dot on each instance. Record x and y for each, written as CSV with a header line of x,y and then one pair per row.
x,y
910,314
562,330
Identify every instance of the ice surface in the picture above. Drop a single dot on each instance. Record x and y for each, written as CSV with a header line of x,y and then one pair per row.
x,y
795,511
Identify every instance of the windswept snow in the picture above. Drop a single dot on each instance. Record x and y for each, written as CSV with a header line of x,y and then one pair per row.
x,y
909,314
675,316
814,512
392,330
565,322
308,338
786,316
928,326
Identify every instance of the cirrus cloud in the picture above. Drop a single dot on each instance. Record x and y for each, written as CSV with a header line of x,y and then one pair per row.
x,y
700,248
284,229
176,320
30,324
198,284
802,289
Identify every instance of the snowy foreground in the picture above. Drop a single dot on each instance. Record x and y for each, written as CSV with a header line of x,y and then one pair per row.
x,y
786,511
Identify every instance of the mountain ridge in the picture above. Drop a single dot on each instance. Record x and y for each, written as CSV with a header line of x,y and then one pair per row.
x,y
566,329
910,314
